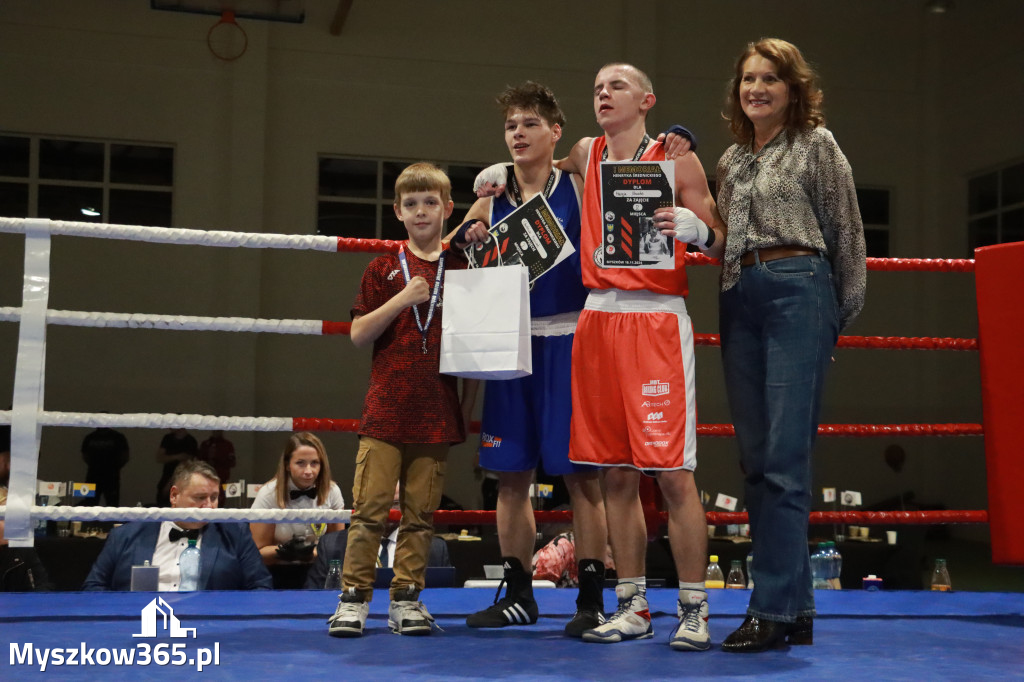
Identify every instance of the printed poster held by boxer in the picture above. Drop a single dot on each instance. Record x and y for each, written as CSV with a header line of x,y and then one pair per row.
x,y
530,236
630,193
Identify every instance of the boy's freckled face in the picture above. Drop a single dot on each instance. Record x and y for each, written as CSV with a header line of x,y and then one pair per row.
x,y
423,213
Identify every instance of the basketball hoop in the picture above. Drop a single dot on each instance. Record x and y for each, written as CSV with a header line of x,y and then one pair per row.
x,y
226,39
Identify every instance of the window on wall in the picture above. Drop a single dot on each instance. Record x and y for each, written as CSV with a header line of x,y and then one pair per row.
x,y
995,206
874,213
86,180
355,196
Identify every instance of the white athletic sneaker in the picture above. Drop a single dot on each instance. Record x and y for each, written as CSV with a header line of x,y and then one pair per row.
x,y
631,621
409,617
692,632
350,616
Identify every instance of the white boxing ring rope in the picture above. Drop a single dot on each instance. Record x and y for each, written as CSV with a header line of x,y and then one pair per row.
x,y
74,318
145,420
168,235
27,416
66,513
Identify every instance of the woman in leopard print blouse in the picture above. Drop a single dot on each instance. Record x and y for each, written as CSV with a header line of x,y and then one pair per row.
x,y
793,275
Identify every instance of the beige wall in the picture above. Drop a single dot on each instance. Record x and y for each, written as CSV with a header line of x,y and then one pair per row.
x,y
916,101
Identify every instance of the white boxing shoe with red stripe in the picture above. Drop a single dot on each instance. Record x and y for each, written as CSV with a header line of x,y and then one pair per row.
x,y
692,631
631,621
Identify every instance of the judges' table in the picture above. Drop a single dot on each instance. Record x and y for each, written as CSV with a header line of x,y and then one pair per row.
x,y
69,559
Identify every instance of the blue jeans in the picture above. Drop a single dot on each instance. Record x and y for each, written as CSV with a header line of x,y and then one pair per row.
x,y
778,325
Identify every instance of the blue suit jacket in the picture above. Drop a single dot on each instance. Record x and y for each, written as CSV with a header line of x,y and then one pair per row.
x,y
332,546
229,558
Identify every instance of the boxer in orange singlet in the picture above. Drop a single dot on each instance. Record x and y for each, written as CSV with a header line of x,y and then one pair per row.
x,y
632,365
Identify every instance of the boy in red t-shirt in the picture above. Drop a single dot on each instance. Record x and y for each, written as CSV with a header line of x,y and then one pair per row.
x,y
412,413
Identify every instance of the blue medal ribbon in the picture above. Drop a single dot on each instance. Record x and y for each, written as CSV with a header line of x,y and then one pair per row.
x,y
434,294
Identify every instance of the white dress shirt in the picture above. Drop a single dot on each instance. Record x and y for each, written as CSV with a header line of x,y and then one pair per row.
x,y
166,554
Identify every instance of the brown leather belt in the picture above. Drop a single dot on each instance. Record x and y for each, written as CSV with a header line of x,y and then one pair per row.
x,y
775,253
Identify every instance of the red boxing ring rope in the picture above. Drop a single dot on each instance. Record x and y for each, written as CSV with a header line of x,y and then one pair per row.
x,y
861,518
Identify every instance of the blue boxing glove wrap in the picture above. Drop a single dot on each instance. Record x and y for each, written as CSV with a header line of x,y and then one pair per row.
x,y
460,235
683,132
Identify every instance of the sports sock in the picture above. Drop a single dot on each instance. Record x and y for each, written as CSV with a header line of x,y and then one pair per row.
x,y
640,582
590,574
519,582
692,593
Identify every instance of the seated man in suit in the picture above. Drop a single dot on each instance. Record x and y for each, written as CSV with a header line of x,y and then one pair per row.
x,y
332,546
229,558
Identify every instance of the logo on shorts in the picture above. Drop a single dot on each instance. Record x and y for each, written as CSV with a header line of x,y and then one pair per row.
x,y
663,403
656,443
655,387
655,416
489,441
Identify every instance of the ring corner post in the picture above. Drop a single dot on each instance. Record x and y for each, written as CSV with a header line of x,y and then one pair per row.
x,y
999,281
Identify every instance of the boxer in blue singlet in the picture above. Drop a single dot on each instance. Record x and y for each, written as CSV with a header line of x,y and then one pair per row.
x,y
526,421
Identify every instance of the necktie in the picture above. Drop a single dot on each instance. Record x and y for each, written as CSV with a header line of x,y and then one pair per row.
x,y
296,494
382,560
177,534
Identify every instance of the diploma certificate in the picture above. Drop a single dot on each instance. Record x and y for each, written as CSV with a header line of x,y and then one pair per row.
x,y
630,193
531,236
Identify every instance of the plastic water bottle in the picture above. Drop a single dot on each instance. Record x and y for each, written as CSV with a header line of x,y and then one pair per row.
x,y
835,566
820,568
940,577
333,581
713,577
188,565
735,580
41,524
750,573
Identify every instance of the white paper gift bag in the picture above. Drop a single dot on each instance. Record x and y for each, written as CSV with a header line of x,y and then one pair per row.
x,y
485,330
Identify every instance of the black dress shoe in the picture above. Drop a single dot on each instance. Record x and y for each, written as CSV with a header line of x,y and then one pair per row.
x,y
802,631
757,634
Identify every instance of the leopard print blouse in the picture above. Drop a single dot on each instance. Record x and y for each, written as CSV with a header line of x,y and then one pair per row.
x,y
796,191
